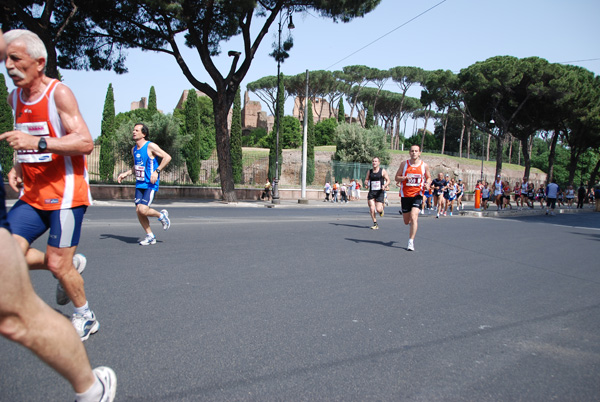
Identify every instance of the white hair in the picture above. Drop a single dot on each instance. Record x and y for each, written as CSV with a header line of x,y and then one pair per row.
x,y
34,45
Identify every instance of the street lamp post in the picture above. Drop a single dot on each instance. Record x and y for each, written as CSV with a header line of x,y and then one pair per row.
x,y
275,199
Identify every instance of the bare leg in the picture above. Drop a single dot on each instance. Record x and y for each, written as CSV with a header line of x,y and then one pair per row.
x,y
372,210
27,320
412,219
143,212
59,261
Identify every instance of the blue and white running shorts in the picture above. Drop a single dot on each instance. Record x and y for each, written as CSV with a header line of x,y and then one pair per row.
x,y
30,223
144,196
3,222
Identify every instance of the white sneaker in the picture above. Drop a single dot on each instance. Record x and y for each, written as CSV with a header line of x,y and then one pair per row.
x,y
411,245
85,325
164,219
79,261
148,240
108,378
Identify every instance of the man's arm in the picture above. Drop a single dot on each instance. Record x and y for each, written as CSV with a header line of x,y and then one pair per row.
x,y
123,175
156,151
15,177
399,178
78,139
427,177
2,48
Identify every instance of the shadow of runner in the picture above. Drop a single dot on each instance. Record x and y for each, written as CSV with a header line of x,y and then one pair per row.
x,y
124,239
381,243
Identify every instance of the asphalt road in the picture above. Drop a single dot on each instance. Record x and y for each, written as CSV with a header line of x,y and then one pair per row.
x,y
309,304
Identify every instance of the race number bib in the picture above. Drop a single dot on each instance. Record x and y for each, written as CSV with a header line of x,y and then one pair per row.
x,y
39,130
376,185
140,173
414,180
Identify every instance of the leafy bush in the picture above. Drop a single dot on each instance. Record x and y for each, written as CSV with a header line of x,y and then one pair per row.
x,y
325,132
357,144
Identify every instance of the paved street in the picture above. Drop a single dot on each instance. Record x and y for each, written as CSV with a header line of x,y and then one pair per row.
x,y
294,303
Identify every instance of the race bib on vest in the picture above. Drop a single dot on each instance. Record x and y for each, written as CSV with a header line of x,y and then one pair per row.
x,y
414,180
376,185
39,130
140,173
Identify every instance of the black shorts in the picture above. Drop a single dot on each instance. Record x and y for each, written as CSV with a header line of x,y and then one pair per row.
x,y
3,222
551,202
408,203
378,196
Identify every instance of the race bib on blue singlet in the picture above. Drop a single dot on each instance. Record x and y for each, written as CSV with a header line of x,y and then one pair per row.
x,y
140,172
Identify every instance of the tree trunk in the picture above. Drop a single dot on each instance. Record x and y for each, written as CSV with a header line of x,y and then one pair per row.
x,y
593,176
487,158
462,134
575,154
424,129
445,125
551,157
510,142
499,141
526,156
469,142
221,110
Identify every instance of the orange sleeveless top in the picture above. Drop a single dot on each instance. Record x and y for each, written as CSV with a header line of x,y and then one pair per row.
x,y
413,185
50,181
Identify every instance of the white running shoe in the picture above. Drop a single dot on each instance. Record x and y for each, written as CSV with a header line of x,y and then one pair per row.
x,y
411,245
79,261
108,378
148,240
164,219
85,325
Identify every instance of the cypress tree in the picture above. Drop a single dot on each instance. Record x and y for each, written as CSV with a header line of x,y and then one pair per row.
x,y
236,139
207,127
107,137
191,151
278,120
152,108
369,118
6,124
310,145
341,117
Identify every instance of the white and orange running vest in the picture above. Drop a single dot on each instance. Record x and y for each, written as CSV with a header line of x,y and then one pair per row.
x,y
413,185
50,181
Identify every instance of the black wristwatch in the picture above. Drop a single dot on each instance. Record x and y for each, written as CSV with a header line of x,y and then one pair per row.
x,y
157,171
42,145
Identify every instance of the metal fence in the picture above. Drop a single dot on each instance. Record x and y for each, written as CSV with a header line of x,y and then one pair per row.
x,y
255,169
255,164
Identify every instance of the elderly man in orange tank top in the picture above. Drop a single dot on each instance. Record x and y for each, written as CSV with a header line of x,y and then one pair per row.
x,y
51,139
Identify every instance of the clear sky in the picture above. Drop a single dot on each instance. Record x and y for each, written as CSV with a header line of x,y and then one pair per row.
x,y
431,34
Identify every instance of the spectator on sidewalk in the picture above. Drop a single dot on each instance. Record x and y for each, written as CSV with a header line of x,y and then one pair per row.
x,y
580,196
327,190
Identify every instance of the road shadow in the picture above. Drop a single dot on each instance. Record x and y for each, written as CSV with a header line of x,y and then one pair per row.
x,y
350,226
378,242
124,239
592,236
